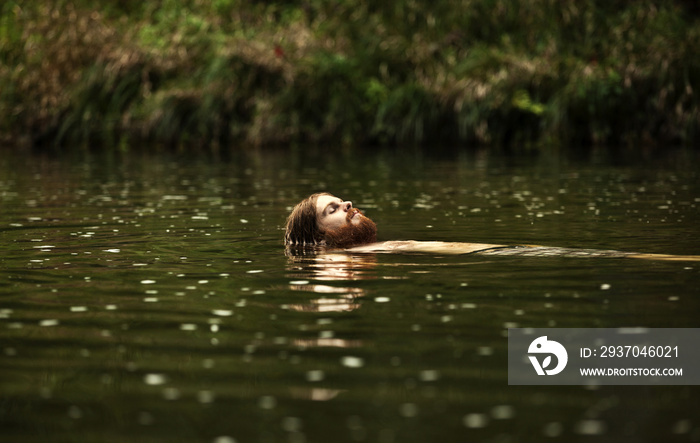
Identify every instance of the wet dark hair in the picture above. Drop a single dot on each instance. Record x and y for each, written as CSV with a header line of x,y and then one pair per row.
x,y
301,228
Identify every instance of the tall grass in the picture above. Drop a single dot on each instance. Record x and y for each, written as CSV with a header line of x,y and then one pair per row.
x,y
225,73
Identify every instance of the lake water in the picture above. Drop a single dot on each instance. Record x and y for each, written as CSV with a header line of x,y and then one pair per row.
x,y
149,298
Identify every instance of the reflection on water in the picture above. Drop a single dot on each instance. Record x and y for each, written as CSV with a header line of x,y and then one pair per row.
x,y
320,266
151,299
332,266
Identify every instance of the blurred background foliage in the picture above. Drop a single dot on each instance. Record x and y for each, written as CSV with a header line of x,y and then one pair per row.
x,y
196,74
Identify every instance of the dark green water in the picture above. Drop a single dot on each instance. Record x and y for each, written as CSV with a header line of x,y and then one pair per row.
x,y
149,299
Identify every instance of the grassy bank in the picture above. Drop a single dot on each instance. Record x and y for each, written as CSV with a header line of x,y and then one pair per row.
x,y
231,72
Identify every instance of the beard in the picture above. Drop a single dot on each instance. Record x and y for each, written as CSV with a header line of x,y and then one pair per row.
x,y
349,235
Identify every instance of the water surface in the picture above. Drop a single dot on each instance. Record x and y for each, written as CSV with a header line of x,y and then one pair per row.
x,y
149,298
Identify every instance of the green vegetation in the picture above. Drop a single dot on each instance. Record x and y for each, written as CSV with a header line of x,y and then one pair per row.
x,y
218,73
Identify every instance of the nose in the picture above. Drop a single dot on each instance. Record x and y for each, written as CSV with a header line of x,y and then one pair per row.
x,y
347,206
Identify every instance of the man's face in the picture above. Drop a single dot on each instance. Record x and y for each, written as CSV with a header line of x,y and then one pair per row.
x,y
341,224
332,212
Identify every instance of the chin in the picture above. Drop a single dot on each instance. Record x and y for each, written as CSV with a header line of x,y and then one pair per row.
x,y
359,230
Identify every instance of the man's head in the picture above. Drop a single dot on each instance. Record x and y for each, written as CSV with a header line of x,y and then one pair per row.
x,y
323,219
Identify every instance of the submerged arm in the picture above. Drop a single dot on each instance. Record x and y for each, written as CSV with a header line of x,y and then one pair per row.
x,y
439,247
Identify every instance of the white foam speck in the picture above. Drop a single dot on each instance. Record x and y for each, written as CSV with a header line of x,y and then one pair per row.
x,y
475,420
590,427
352,362
154,379
485,350
222,312
171,393
408,410
315,375
205,396
267,402
502,412
429,375
48,322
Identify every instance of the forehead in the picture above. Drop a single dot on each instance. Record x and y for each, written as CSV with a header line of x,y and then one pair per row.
x,y
324,200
